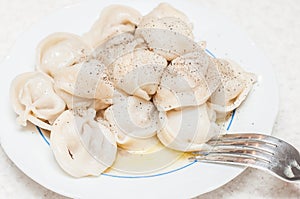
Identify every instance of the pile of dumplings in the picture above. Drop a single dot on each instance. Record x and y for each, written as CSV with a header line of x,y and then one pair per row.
x,y
131,82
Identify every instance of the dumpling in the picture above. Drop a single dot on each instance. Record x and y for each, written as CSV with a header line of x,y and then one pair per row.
x,y
164,10
172,24
74,102
87,80
188,80
117,46
82,146
34,99
236,85
187,129
138,73
134,121
114,20
60,50
168,37
168,34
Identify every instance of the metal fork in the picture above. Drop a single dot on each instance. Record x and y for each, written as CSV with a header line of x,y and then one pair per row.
x,y
259,151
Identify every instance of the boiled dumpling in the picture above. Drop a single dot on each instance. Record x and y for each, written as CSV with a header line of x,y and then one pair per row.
x,y
188,81
187,129
34,99
172,24
167,33
133,115
116,47
236,85
60,50
135,122
165,10
138,73
168,37
114,20
129,143
82,146
87,80
74,102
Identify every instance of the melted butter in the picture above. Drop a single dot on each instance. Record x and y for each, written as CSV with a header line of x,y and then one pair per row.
x,y
155,160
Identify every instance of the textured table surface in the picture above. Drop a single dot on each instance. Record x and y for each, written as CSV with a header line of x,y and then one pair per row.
x,y
274,25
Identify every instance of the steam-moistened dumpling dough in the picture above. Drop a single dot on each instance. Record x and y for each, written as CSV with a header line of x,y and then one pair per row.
x,y
34,99
60,50
187,129
117,46
167,32
135,122
235,86
138,73
188,81
81,145
114,20
87,80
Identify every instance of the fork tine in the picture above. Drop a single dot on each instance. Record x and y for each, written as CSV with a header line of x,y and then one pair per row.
x,y
248,144
229,159
235,151
247,136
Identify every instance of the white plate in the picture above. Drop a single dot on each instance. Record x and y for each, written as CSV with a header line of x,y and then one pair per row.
x,y
33,156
